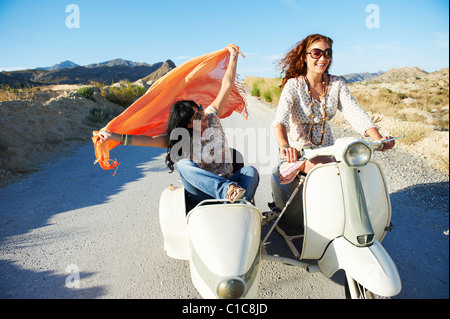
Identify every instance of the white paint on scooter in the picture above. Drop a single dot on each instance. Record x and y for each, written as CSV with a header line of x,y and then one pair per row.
x,y
371,266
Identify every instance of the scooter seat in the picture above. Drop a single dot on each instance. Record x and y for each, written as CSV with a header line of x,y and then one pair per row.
x,y
190,204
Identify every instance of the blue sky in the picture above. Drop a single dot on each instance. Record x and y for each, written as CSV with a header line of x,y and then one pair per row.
x,y
410,33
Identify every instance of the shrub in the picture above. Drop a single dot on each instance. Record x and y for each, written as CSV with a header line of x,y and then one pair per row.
x,y
401,95
87,92
125,95
97,115
255,90
267,96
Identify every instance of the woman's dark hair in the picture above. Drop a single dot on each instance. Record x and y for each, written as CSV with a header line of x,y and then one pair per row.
x,y
180,116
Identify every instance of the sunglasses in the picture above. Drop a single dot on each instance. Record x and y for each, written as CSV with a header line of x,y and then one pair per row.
x,y
317,53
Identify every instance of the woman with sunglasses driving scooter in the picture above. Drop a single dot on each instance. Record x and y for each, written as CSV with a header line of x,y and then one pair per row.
x,y
310,98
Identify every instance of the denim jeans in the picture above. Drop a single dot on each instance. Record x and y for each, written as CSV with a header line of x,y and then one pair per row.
x,y
201,184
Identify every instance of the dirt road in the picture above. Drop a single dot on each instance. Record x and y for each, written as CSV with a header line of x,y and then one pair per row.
x,y
72,230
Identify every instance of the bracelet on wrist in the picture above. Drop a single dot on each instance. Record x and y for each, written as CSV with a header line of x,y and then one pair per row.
x,y
282,147
126,139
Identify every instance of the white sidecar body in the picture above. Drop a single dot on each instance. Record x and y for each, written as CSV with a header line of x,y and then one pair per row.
x,y
221,240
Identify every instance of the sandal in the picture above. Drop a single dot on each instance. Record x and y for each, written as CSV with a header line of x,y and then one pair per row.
x,y
235,193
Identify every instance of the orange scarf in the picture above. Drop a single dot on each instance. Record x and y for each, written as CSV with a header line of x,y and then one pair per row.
x,y
198,79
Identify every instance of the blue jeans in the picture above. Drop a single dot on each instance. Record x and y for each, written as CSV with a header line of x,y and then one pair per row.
x,y
201,184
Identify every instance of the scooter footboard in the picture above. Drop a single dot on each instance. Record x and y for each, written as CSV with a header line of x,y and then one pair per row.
x,y
371,266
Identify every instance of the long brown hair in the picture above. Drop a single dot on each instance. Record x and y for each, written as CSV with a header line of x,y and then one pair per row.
x,y
293,64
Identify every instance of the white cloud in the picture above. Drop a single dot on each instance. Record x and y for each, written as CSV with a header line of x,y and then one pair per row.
x,y
378,48
251,54
13,68
269,57
273,57
290,4
440,40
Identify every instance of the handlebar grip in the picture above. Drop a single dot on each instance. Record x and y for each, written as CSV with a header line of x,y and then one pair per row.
x,y
378,145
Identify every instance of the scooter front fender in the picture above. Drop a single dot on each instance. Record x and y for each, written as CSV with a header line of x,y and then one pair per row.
x,y
371,266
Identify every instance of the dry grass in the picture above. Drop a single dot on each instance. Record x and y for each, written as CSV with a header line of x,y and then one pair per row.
x,y
11,94
413,131
265,88
34,94
418,106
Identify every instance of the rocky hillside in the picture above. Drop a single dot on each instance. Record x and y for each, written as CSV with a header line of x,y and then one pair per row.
x,y
41,121
34,131
160,72
413,102
400,74
105,72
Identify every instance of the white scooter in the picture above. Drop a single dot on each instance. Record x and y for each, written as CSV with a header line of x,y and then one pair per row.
x,y
338,215
338,219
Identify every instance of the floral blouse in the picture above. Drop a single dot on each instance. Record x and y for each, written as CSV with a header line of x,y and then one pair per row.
x,y
294,112
213,153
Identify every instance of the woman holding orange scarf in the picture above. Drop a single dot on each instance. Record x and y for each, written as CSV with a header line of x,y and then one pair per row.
x,y
205,163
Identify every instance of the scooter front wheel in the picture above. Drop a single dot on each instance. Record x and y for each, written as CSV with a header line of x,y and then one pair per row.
x,y
354,290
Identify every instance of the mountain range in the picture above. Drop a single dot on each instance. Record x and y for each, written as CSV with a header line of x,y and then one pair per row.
x,y
68,72
62,65
364,76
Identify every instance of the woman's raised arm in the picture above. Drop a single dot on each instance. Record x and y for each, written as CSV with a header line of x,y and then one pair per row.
x,y
227,81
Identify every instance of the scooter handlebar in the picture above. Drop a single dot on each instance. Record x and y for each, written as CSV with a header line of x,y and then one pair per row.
x,y
308,152
378,145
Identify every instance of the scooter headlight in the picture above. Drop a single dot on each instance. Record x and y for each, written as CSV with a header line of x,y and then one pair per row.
x,y
231,288
357,154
